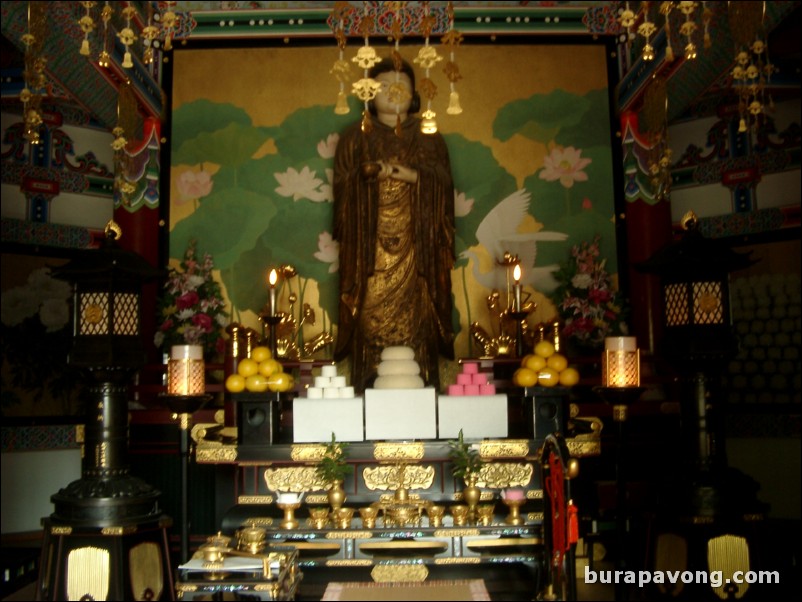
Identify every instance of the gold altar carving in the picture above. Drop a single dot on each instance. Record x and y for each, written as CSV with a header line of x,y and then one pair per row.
x,y
501,448
391,573
459,560
185,587
307,452
485,496
397,452
534,494
215,453
500,475
386,477
389,497
60,530
355,562
315,499
534,516
117,531
255,499
349,534
578,448
456,532
294,479
259,521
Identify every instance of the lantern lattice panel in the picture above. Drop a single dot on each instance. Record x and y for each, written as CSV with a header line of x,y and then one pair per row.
x,y
707,305
126,314
95,308
677,304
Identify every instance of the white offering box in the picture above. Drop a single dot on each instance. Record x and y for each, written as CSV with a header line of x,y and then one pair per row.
x,y
313,420
479,416
400,414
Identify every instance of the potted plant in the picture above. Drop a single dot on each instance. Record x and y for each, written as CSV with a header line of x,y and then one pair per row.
x,y
332,470
466,464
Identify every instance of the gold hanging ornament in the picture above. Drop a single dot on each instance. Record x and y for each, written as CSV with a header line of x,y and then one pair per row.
x,y
127,36
452,38
427,58
87,25
647,30
341,68
104,59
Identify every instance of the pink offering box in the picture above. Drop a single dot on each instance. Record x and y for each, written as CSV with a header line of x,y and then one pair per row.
x,y
470,368
464,379
456,390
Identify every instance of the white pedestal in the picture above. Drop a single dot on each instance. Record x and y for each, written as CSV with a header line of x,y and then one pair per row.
x,y
400,414
313,420
479,417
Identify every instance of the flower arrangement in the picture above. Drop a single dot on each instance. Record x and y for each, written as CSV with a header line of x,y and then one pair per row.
x,y
590,308
192,310
36,339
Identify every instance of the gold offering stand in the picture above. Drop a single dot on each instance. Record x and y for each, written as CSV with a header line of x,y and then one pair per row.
x,y
277,579
401,510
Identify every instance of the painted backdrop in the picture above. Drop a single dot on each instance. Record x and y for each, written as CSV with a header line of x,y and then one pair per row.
x,y
253,139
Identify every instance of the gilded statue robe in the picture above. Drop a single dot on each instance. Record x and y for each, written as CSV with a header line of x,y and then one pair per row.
x,y
396,250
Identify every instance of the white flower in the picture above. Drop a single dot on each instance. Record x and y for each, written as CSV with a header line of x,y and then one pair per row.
x,y
462,206
193,282
582,281
42,284
327,147
299,185
54,314
185,314
18,304
329,251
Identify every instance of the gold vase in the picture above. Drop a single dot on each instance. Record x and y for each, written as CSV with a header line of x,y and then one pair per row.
x,y
471,495
336,495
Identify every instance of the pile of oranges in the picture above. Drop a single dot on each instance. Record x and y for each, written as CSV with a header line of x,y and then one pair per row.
x,y
259,373
546,367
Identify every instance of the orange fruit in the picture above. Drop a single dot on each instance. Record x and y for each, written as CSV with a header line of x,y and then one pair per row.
x,y
260,354
256,383
247,367
569,377
524,377
280,382
535,363
557,361
548,377
235,383
525,359
544,349
269,367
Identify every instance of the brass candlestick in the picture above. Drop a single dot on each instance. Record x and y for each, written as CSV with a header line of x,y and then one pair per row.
x,y
514,517
289,522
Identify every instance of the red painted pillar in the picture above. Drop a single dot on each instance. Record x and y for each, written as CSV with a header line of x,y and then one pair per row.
x,y
138,218
648,228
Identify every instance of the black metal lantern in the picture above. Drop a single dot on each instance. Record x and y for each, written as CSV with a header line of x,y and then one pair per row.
x,y
107,536
715,507
694,274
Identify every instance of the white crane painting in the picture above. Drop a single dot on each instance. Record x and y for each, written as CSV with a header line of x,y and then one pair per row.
x,y
499,233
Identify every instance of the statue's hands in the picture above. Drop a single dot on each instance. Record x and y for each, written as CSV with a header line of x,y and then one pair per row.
x,y
398,172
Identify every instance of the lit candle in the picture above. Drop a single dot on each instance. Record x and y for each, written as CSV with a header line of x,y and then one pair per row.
x,y
622,362
273,280
516,274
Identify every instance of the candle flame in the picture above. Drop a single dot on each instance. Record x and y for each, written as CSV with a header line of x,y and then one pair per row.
x,y
516,273
273,277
